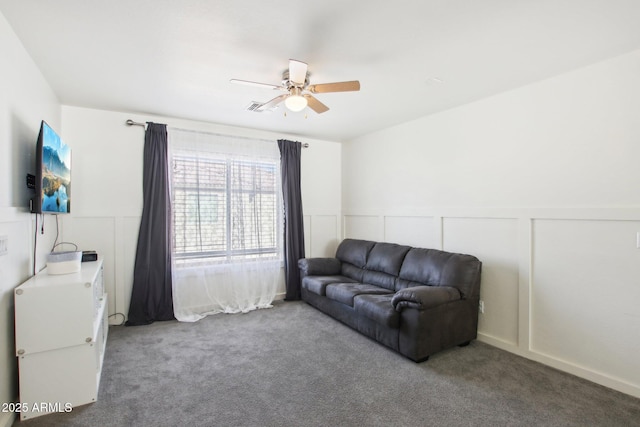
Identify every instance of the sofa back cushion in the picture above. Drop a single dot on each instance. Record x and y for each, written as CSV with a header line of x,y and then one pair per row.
x,y
386,258
353,255
380,279
396,267
383,264
354,252
439,268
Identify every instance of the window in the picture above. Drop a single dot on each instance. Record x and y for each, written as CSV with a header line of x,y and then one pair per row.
x,y
225,207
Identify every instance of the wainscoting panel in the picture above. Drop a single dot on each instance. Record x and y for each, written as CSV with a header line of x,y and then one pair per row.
x,y
585,293
418,231
16,264
363,227
116,240
494,241
323,235
15,268
560,286
98,234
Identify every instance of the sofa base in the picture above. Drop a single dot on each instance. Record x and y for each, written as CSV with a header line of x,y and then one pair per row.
x,y
421,333
347,315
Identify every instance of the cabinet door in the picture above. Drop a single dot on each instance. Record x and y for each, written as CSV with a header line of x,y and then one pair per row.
x,y
53,312
66,376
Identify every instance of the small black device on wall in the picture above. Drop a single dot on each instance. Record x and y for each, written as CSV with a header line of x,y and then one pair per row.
x,y
31,181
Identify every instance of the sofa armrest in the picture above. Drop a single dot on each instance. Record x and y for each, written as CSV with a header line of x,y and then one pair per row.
x,y
319,266
424,297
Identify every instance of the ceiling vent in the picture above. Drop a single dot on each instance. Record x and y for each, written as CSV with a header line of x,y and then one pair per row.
x,y
255,107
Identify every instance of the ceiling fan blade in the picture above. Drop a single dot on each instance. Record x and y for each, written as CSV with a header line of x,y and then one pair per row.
x,y
297,72
349,86
256,84
315,105
270,104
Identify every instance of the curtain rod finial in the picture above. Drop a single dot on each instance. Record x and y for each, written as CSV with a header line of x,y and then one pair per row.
x,y
130,122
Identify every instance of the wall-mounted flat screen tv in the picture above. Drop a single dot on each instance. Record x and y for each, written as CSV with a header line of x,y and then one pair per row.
x,y
53,173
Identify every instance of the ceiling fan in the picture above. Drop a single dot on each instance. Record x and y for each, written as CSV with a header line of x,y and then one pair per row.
x,y
295,82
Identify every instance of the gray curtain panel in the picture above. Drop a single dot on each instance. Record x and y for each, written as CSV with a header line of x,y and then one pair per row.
x,y
151,296
290,152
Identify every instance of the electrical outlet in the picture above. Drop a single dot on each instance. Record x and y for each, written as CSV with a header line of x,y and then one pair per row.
x,y
481,307
4,245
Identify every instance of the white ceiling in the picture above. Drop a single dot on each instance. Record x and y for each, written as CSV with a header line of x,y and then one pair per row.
x,y
175,58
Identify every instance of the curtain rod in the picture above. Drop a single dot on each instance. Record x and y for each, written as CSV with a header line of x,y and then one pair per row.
x,y
130,122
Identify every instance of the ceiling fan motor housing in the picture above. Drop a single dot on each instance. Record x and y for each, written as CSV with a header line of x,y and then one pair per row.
x,y
287,83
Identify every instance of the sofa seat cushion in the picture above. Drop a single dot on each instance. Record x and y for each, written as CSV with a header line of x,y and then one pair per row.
x,y
345,292
377,308
318,284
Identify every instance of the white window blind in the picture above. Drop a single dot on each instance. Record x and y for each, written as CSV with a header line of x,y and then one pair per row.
x,y
226,202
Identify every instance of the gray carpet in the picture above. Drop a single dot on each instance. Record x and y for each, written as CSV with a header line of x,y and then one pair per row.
x,y
294,366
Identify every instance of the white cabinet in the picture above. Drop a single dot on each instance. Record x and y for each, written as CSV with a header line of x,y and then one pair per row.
x,y
61,332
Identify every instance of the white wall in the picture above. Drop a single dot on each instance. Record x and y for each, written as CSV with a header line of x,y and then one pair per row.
x,y
107,192
541,183
25,100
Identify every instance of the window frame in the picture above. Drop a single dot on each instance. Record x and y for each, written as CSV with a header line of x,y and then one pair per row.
x,y
228,254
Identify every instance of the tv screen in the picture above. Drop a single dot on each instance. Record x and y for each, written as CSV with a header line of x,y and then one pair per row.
x,y
53,173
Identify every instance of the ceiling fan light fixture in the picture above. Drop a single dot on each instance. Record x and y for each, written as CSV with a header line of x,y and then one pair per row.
x,y
295,102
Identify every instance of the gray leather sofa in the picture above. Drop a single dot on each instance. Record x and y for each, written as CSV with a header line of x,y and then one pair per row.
x,y
415,301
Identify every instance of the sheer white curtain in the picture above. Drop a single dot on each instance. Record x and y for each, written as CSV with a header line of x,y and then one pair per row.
x,y
226,223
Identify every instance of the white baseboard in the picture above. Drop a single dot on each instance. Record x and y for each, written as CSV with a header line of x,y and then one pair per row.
x,y
562,365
